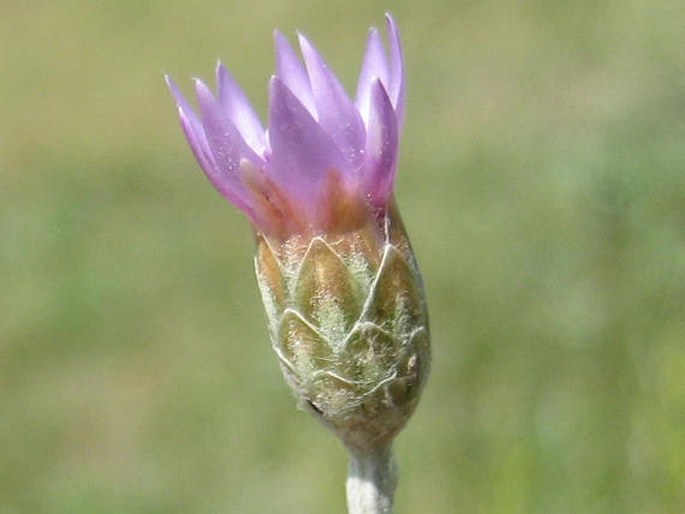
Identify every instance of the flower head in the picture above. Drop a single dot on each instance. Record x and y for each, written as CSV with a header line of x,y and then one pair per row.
x,y
341,289
324,159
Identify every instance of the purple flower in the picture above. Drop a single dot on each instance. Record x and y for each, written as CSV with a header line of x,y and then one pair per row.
x,y
324,160
342,291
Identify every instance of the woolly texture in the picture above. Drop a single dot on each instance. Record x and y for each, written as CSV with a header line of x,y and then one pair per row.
x,y
349,324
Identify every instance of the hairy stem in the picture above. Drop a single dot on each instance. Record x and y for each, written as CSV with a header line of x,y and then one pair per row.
x,y
371,481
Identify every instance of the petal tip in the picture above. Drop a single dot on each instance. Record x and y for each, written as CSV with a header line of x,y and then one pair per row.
x,y
200,87
304,42
171,84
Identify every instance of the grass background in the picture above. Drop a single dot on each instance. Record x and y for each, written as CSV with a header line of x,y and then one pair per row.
x,y
542,179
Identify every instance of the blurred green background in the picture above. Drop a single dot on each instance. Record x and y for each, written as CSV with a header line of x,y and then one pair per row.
x,y
542,179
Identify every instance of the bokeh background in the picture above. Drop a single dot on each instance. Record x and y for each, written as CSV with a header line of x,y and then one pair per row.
x,y
542,180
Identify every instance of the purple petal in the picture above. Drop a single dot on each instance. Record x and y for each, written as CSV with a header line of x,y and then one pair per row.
x,y
238,108
301,151
227,148
290,70
221,134
226,186
198,142
225,141
197,139
396,85
381,145
194,132
337,114
373,67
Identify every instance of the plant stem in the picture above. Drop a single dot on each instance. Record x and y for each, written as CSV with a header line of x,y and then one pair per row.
x,y
371,481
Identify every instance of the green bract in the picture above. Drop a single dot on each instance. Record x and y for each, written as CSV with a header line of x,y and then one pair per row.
x,y
348,320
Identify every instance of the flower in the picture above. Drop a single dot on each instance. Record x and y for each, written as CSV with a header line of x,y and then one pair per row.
x,y
323,159
341,289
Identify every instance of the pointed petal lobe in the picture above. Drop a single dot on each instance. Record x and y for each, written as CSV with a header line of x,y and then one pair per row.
x,y
337,114
374,66
227,149
381,145
238,109
302,151
396,85
192,127
290,70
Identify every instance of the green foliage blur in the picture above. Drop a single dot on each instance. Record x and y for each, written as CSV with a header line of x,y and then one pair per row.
x,y
542,180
